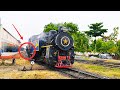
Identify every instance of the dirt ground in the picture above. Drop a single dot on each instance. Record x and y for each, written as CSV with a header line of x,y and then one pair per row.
x,y
9,71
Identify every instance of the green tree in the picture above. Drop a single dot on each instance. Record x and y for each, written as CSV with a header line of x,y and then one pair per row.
x,y
99,45
95,30
105,47
81,42
111,47
50,26
73,28
118,47
113,36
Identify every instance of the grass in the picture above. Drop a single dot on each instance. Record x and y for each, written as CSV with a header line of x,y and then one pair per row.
x,y
19,61
46,74
87,58
22,62
112,60
105,60
7,72
104,71
41,74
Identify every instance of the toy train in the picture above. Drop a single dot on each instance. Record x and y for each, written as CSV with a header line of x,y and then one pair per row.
x,y
55,48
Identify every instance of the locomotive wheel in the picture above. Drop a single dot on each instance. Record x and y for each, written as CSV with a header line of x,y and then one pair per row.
x,y
51,62
72,61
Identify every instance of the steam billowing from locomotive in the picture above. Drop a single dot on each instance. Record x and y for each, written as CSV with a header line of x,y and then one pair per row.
x,y
54,48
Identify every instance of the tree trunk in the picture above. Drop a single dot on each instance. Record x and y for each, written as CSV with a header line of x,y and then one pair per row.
x,y
95,46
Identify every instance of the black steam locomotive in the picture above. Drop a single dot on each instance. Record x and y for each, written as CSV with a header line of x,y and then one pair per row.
x,y
54,48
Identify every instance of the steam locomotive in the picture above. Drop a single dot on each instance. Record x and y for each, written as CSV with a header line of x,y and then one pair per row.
x,y
55,48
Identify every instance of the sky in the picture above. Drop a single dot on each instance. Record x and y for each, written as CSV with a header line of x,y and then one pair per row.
x,y
31,23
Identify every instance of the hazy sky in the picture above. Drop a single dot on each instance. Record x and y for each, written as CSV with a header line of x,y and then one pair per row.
x,y
31,23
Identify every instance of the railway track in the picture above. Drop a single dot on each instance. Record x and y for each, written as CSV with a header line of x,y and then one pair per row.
x,y
100,62
75,73
79,74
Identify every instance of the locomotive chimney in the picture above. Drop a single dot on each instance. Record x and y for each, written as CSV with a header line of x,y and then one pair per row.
x,y
60,29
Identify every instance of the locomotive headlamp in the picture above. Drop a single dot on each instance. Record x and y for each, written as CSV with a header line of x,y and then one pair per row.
x,y
65,41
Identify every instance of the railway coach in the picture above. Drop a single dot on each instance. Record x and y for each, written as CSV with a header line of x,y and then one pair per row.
x,y
8,43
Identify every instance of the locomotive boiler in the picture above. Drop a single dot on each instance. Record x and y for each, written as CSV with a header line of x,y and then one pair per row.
x,y
55,48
